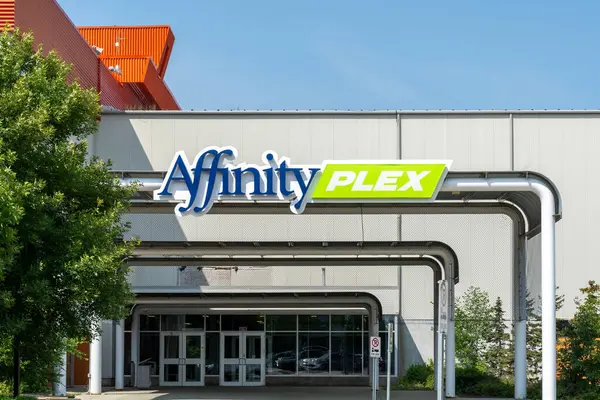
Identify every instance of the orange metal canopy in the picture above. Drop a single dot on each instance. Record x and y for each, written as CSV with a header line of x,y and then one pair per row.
x,y
141,53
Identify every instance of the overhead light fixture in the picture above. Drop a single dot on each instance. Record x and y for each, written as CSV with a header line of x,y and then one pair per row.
x,y
97,49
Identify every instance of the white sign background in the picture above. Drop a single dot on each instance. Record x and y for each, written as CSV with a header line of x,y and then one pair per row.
x,y
375,347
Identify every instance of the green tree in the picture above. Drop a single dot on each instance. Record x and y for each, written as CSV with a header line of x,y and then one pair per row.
x,y
473,323
580,357
498,356
534,334
62,264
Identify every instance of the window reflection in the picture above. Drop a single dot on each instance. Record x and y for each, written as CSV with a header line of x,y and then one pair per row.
x,y
150,351
313,322
346,354
281,353
313,353
213,344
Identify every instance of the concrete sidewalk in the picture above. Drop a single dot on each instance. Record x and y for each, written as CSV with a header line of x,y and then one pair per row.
x,y
263,393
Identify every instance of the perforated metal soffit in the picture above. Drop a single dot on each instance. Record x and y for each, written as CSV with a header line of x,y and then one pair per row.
x,y
527,201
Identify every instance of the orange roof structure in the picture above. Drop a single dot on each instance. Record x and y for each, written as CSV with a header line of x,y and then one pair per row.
x,y
129,70
138,57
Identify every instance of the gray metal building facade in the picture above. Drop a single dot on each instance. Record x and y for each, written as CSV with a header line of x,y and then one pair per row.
x,y
561,145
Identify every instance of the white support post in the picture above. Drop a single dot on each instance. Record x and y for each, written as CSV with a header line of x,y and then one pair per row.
x,y
548,293
439,369
437,276
520,360
59,387
548,261
520,319
450,346
135,345
119,355
96,365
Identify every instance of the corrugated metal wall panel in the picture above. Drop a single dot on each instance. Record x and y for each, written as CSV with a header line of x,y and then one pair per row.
x,y
473,142
149,142
565,148
52,27
7,13
159,90
146,41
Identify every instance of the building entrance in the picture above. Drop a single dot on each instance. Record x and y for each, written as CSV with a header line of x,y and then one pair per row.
x,y
242,359
182,358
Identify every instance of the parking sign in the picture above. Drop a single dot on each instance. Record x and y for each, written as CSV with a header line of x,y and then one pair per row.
x,y
375,347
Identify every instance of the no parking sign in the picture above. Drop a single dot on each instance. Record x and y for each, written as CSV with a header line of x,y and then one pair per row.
x,y
375,347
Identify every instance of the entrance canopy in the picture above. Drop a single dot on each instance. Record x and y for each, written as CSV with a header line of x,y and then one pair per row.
x,y
212,183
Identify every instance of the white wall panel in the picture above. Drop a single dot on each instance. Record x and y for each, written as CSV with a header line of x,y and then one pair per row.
x,y
565,149
483,245
472,142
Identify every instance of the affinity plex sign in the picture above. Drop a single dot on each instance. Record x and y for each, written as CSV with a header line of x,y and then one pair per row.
x,y
214,176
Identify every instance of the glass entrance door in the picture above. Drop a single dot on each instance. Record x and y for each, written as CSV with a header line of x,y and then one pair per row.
x,y
182,359
193,359
170,359
242,359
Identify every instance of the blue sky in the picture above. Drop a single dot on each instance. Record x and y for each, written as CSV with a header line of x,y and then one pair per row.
x,y
375,54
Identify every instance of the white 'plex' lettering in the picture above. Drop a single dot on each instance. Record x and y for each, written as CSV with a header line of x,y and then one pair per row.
x,y
340,178
386,181
414,181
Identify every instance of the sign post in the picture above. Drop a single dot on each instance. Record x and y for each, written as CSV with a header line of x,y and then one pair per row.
x,y
442,330
375,354
390,348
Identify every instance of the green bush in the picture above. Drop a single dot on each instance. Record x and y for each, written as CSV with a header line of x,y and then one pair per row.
x,y
417,377
419,372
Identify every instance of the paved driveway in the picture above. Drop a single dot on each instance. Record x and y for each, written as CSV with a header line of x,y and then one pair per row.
x,y
263,393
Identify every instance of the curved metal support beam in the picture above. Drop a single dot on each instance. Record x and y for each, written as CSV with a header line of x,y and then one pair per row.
x,y
271,253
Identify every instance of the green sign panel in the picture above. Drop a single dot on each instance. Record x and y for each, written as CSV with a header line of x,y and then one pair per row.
x,y
372,181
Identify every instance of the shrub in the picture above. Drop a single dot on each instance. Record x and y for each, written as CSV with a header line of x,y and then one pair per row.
x,y
419,372
418,377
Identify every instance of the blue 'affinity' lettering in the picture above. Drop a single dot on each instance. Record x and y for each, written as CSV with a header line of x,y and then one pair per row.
x,y
214,176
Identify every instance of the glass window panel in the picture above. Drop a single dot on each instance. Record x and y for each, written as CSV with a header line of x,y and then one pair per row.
x,y
253,373
346,354
150,351
231,373
213,323
345,323
313,353
193,346
194,322
193,373
281,322
253,347
171,322
281,353
232,346
213,344
171,347
367,353
243,322
365,323
171,373
313,322
127,370
149,323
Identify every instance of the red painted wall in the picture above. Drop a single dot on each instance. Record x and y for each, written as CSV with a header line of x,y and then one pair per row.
x,y
52,27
